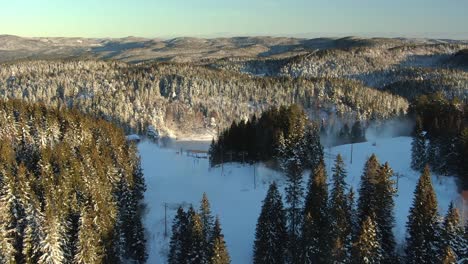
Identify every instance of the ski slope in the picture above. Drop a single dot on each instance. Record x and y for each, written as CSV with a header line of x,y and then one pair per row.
x,y
175,179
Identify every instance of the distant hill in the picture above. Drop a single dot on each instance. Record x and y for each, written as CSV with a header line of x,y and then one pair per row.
x,y
185,49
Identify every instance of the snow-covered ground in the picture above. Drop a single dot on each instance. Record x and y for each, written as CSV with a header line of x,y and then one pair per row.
x,y
177,179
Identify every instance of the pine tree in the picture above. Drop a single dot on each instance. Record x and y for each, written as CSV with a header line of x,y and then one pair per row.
x,y
89,249
314,149
197,253
367,192
448,256
315,231
341,236
218,253
367,248
291,153
178,245
453,233
8,219
418,148
206,219
271,234
384,216
422,236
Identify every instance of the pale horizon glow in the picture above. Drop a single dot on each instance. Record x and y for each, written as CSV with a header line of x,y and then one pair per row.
x,y
211,18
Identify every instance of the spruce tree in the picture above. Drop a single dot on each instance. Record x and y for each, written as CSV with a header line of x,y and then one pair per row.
x,y
340,215
8,219
316,227
218,252
453,234
367,249
448,256
418,148
384,212
422,245
291,152
314,149
271,236
367,192
206,219
197,253
178,246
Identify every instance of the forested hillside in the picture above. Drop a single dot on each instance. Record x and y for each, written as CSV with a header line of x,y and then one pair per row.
x,y
182,98
408,70
70,188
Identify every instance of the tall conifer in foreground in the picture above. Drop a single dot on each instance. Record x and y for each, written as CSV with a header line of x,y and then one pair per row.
x,y
453,234
218,253
271,235
422,245
178,245
196,252
367,192
316,227
291,151
340,215
367,249
384,212
206,219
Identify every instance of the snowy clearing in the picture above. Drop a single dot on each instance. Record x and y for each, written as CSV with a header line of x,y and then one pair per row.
x,y
177,179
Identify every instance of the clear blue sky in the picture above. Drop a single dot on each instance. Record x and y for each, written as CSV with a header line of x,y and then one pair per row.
x,y
168,18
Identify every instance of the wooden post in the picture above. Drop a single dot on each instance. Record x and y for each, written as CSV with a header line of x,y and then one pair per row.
x,y
351,153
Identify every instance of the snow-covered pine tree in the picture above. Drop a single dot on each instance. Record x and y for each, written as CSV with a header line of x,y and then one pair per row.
x,y
340,215
367,248
53,243
291,152
33,220
448,256
8,215
130,215
271,236
314,149
178,246
353,214
418,148
316,227
89,248
197,253
453,234
384,212
218,253
422,242
367,192
206,219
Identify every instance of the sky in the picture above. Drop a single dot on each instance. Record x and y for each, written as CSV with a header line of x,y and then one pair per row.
x,y
217,18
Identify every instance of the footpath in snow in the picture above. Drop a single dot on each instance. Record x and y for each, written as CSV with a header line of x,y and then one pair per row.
x,y
236,191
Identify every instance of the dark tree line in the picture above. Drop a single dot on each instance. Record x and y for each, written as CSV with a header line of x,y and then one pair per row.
x,y
259,139
70,188
441,136
334,230
197,238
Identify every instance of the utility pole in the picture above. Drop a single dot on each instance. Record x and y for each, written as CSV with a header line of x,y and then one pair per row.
x,y
255,176
165,220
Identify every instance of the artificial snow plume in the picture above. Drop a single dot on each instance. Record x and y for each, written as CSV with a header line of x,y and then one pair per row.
x,y
388,129
236,191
